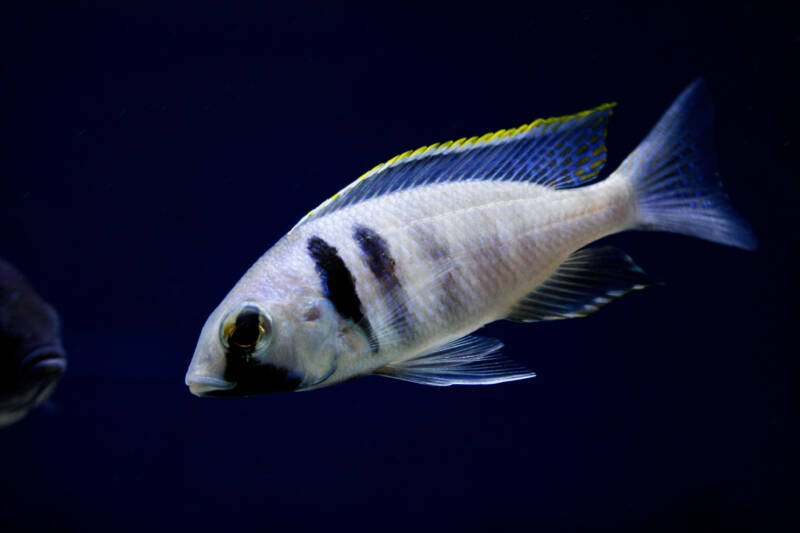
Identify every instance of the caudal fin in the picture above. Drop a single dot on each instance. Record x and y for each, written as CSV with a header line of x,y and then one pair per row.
x,y
674,177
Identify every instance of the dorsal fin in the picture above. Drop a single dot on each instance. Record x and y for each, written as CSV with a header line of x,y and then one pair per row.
x,y
559,152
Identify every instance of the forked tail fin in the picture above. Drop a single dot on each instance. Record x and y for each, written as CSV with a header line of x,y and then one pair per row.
x,y
674,177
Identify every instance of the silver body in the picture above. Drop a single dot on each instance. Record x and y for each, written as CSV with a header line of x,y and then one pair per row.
x,y
465,252
391,275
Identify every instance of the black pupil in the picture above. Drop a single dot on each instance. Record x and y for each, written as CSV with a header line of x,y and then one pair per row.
x,y
247,332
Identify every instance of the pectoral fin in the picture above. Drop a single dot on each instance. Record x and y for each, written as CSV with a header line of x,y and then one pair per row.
x,y
469,360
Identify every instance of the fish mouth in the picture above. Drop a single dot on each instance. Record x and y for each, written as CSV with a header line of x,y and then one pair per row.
x,y
208,386
39,373
48,360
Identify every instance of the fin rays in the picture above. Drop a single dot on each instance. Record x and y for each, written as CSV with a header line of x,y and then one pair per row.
x,y
559,152
586,281
469,360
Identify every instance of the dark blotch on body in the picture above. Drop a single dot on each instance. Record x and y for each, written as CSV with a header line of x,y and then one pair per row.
x,y
380,262
253,378
444,269
339,287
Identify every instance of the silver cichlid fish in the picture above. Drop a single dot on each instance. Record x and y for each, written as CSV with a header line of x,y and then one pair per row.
x,y
392,274
32,360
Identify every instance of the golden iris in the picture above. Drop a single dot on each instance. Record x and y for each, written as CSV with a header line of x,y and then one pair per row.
x,y
246,329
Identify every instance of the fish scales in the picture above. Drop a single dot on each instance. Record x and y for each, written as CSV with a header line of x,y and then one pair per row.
x,y
391,275
501,238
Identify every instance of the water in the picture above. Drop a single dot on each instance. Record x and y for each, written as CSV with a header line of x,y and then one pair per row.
x,y
151,155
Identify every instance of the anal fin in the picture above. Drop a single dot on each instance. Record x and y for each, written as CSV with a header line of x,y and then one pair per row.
x,y
469,360
585,282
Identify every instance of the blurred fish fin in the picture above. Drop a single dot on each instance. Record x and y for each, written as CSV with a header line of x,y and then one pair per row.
x,y
673,174
589,279
469,360
559,152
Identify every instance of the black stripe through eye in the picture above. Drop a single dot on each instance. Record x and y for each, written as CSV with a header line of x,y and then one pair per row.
x,y
338,285
248,329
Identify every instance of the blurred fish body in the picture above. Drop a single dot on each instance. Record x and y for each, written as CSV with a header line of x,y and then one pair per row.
x,y
32,359
393,274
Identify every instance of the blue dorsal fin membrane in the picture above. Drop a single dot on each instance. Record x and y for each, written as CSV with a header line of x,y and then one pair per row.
x,y
589,279
469,360
560,152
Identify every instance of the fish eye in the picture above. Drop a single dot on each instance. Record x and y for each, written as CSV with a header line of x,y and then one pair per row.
x,y
246,329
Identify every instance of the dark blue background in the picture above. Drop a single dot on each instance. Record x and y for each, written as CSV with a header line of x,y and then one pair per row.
x,y
151,154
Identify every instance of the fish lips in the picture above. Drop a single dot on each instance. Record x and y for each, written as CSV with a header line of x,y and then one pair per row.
x,y
208,386
46,361
252,380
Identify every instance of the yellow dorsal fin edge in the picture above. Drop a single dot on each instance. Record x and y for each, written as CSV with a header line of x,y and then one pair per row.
x,y
465,143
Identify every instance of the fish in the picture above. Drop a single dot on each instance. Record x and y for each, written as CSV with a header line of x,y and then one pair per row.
x,y
393,274
32,357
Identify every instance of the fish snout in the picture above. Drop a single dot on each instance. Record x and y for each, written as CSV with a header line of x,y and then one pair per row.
x,y
38,374
47,361
200,385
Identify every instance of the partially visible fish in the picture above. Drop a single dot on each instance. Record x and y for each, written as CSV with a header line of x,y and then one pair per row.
x,y
392,274
32,359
